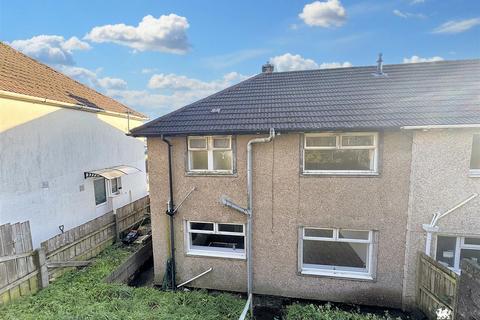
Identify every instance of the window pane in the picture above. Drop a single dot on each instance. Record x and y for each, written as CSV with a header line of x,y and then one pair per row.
x,y
218,241
222,160
322,141
475,159
201,226
199,143
446,250
474,241
114,185
337,159
323,233
230,227
335,254
199,160
223,143
357,140
470,254
100,192
353,234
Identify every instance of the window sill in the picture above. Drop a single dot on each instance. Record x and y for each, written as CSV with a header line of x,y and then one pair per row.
x,y
341,173
210,174
225,255
100,204
341,275
474,173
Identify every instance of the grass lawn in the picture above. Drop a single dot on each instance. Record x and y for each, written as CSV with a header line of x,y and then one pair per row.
x,y
83,294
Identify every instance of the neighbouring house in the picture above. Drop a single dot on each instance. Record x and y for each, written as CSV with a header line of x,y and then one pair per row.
x,y
65,157
360,159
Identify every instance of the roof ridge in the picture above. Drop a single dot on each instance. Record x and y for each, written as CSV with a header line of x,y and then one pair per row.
x,y
8,47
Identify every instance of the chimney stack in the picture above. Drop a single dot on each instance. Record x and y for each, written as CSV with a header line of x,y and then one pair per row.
x,y
267,68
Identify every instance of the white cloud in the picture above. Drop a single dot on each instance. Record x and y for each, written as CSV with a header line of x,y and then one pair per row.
x,y
324,14
407,15
457,26
416,59
112,83
166,34
290,62
92,78
51,49
177,91
417,1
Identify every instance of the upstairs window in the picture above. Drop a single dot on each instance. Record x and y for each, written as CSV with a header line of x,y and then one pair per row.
x,y
475,157
340,153
210,154
215,239
100,191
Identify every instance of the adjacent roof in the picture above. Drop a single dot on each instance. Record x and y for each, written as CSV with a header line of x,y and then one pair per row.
x,y
433,93
24,75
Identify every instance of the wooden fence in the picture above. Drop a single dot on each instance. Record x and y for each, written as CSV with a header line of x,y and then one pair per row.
x,y
436,285
24,271
18,271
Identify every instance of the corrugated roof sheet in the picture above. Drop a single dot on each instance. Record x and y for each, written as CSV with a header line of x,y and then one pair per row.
x,y
24,75
433,93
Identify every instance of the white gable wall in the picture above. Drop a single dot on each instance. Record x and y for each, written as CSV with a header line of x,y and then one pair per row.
x,y
44,152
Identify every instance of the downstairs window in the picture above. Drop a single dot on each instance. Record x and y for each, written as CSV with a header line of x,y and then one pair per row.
x,y
336,252
451,250
225,240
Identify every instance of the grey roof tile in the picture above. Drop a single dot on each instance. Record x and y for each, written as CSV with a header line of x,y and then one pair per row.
x,y
434,93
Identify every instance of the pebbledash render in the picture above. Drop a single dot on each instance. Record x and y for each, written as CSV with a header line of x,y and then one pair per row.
x,y
357,161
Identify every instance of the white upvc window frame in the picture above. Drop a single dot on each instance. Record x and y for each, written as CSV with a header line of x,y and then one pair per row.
x,y
330,271
475,172
210,149
213,252
338,146
459,245
106,191
110,186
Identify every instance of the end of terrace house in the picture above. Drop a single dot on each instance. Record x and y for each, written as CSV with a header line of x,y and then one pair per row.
x,y
317,184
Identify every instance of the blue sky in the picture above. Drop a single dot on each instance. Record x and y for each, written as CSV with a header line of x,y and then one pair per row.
x,y
185,50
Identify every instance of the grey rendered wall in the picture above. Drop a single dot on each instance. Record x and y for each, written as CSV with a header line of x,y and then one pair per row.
x,y
284,200
439,180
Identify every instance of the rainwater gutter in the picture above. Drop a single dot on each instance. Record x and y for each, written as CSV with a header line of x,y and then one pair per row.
x,y
249,212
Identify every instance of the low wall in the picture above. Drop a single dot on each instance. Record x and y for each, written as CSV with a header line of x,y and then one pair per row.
x,y
125,272
468,293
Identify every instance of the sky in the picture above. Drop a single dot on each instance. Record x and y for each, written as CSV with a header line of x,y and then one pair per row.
x,y
157,56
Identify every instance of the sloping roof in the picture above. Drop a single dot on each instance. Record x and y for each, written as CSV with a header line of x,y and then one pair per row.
x,y
433,93
24,75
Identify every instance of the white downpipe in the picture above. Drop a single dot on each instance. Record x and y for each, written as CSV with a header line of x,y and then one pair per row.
x,y
249,211
432,227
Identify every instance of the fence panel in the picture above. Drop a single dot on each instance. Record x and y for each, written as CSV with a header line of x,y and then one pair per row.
x,y
436,286
18,272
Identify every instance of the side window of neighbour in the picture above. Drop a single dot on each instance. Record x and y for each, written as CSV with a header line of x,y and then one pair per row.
x,y
116,185
452,249
210,154
342,153
100,191
475,157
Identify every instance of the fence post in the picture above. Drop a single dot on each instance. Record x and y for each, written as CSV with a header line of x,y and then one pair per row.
x,y
117,227
41,264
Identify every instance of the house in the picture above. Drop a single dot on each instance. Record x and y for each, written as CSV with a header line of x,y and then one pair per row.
x,y
65,157
359,159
